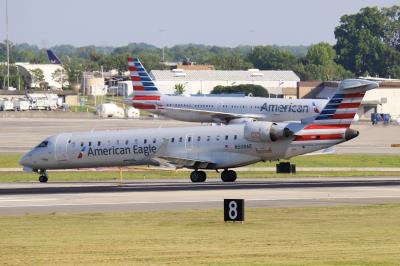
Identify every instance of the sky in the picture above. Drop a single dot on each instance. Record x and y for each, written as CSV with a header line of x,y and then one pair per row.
x,y
169,22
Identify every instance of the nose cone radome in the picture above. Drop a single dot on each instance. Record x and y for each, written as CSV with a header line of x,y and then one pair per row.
x,y
26,160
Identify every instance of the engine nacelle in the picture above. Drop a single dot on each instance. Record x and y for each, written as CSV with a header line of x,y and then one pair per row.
x,y
260,131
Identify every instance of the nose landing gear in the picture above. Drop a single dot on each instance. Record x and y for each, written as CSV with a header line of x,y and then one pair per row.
x,y
43,178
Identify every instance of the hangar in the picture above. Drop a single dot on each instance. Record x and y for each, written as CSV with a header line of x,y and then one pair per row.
x,y
47,69
279,82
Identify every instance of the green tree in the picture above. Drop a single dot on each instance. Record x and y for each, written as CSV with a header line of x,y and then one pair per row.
x,y
365,42
255,90
320,54
267,57
73,69
179,89
230,62
37,76
59,76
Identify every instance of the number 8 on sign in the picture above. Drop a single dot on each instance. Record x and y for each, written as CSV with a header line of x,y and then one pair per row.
x,y
234,210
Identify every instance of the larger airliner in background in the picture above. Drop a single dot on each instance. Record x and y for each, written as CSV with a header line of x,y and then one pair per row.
x,y
204,147
215,109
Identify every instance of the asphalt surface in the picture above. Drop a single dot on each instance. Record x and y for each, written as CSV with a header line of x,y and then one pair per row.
x,y
14,137
24,198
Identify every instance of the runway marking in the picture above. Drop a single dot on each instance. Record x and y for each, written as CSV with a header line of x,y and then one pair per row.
x,y
193,201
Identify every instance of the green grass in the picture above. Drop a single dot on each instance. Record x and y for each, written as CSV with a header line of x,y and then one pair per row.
x,y
155,174
10,160
346,235
343,160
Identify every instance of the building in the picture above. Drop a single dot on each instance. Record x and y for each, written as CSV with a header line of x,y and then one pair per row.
x,y
385,99
282,83
47,69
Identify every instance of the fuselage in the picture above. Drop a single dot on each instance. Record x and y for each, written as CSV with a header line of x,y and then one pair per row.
x,y
266,109
213,147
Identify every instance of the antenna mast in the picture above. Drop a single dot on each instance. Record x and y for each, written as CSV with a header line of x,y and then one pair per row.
x,y
8,49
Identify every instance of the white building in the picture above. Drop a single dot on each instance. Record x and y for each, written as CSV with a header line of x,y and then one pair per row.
x,y
48,70
275,82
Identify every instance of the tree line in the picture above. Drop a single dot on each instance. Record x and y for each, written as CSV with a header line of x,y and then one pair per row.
x,y
367,43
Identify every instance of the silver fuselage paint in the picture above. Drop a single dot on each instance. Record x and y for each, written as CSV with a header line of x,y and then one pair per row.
x,y
223,145
269,109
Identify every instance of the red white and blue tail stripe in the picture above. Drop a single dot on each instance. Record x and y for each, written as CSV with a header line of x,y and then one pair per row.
x,y
332,124
145,93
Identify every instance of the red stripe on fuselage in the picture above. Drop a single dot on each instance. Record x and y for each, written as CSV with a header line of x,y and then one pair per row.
x,y
318,137
331,126
147,97
130,59
132,68
144,106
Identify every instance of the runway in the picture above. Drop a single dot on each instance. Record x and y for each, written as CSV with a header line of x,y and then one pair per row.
x,y
23,198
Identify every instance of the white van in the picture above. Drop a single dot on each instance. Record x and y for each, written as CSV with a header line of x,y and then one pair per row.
x,y
21,104
6,105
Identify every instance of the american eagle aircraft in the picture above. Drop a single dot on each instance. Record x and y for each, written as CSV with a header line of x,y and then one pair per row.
x,y
203,147
215,109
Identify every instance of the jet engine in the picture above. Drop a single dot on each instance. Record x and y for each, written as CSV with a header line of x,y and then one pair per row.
x,y
260,131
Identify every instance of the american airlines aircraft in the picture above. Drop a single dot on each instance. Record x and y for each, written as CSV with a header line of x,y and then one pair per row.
x,y
204,147
226,110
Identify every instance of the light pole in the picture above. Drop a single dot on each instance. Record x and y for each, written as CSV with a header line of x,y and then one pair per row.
x,y
8,49
163,46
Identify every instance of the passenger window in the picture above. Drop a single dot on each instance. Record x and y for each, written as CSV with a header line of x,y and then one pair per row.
x,y
217,138
208,138
154,140
69,141
145,141
117,142
98,143
189,139
81,144
172,139
180,139
235,137
126,142
90,143
226,137
136,141
198,138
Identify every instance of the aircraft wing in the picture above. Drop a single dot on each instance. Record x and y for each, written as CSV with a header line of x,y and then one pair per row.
x,y
222,116
180,162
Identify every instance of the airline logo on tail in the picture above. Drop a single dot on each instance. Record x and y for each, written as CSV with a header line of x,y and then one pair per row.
x,y
333,123
145,92
53,58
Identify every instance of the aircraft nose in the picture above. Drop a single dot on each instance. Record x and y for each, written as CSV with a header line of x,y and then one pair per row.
x,y
26,160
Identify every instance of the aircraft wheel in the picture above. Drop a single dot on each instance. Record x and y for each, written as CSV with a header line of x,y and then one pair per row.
x,y
203,176
228,176
198,176
43,179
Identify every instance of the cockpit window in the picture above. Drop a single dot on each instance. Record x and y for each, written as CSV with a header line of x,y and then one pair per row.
x,y
43,144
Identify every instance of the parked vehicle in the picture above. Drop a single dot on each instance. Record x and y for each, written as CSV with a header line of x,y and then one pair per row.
x,y
21,104
6,105
107,110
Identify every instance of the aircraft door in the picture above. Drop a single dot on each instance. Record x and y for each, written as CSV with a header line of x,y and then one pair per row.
x,y
61,147
189,143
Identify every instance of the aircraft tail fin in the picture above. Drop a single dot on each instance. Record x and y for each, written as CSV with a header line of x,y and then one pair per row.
x,y
145,93
53,57
339,112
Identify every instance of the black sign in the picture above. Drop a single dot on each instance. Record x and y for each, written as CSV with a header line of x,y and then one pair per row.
x,y
233,210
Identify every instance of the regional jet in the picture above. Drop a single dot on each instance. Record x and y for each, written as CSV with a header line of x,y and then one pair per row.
x,y
215,109
204,147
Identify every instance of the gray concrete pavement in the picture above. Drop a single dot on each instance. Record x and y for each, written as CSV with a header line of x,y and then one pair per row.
x,y
22,198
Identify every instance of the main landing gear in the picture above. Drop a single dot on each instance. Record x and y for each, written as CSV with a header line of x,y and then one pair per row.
x,y
228,175
43,178
201,176
198,176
